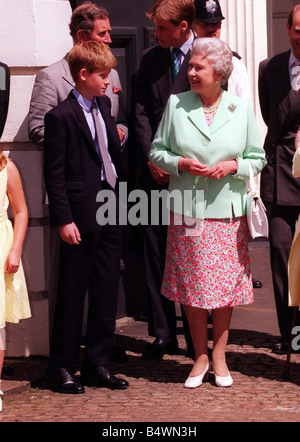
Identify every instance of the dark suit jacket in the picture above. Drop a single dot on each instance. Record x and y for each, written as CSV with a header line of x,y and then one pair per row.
x,y
72,166
280,108
153,88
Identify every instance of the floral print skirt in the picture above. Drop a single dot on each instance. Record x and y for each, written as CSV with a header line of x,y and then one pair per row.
x,y
208,264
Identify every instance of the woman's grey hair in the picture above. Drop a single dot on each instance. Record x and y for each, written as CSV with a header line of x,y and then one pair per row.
x,y
217,53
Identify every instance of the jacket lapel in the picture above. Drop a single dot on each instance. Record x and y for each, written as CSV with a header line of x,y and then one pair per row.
x,y
285,84
112,133
221,117
196,115
181,82
281,76
67,75
288,100
82,120
164,81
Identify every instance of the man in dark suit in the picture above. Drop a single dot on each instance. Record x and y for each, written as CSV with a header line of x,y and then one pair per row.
x,y
82,157
280,106
154,84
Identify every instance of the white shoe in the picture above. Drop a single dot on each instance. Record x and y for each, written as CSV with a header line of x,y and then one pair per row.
x,y
223,381
196,381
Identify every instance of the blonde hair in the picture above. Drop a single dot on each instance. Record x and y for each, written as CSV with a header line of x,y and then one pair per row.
x,y
3,160
174,11
90,55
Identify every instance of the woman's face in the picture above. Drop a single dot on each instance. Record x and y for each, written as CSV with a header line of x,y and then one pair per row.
x,y
202,76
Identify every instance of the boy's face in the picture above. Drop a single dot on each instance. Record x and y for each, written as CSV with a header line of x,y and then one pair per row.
x,y
95,83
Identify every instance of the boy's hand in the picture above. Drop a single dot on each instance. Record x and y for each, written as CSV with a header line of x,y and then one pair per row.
x,y
70,233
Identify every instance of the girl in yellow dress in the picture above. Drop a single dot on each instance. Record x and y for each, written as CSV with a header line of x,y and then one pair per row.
x,y
14,303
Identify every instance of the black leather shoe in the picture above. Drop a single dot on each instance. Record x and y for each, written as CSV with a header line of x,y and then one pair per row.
x,y
256,284
101,377
118,354
159,347
281,348
62,380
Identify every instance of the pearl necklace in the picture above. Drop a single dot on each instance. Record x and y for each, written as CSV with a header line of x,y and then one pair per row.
x,y
209,109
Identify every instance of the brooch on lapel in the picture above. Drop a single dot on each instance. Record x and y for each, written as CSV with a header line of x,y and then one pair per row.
x,y
116,90
232,107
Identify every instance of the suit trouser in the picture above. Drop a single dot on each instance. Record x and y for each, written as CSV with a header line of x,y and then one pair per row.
x,y
94,265
53,274
162,314
282,221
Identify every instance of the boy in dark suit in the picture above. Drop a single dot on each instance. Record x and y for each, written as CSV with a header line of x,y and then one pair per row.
x,y
82,157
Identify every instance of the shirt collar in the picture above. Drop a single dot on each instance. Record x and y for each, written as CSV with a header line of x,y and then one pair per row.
x,y
84,102
186,46
292,59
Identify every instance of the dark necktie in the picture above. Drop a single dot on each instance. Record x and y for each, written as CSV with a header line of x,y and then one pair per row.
x,y
109,172
175,62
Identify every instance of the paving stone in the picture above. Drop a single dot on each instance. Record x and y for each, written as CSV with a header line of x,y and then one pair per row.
x,y
156,393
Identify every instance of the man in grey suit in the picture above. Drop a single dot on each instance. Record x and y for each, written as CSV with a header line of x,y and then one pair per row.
x,y
54,83
279,96
52,86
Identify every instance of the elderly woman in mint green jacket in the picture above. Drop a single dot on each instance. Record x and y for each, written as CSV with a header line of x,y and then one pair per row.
x,y
206,141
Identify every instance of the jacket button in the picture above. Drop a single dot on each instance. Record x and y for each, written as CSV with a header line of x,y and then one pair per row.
x,y
205,142
98,174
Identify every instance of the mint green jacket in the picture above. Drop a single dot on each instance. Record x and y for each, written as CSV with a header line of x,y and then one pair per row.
x,y
183,131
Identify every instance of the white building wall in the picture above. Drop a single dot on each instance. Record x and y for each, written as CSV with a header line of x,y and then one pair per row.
x,y
33,34
245,31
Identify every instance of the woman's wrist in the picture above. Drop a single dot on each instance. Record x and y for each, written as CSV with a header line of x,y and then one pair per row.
x,y
16,250
236,165
181,164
